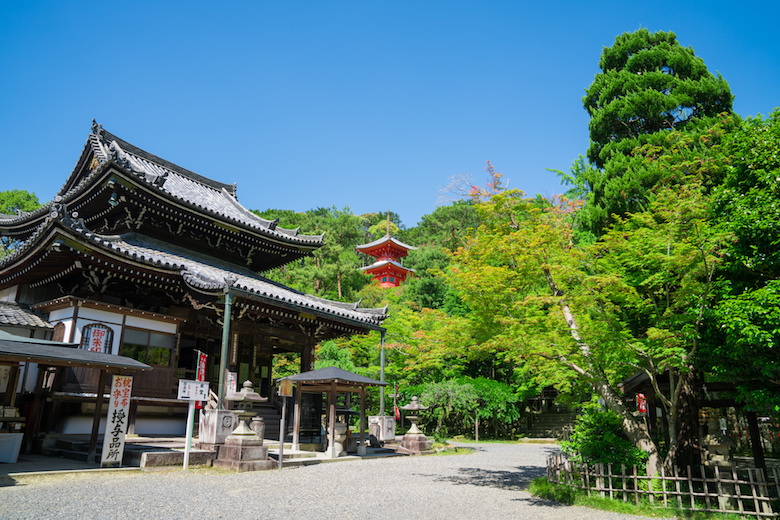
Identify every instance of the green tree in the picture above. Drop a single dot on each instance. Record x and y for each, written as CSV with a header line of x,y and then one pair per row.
x,y
648,82
11,203
744,337
649,85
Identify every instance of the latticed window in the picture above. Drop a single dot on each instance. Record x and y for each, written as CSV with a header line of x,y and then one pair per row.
x,y
152,348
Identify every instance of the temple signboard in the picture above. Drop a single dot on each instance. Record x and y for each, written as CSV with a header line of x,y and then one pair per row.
x,y
116,421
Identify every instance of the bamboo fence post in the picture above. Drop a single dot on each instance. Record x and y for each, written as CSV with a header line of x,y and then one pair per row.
x,y
677,487
706,485
737,490
623,478
663,485
636,487
689,476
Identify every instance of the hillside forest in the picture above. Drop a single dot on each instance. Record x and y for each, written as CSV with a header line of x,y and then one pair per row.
x,y
661,258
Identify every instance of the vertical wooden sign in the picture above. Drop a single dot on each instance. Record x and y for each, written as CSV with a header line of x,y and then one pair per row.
x,y
116,422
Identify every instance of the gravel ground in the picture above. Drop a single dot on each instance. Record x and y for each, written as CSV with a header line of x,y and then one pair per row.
x,y
488,484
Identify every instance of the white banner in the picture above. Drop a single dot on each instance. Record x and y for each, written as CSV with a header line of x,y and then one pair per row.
x,y
116,422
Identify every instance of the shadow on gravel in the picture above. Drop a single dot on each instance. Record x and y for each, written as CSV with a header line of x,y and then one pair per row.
x,y
518,480
7,481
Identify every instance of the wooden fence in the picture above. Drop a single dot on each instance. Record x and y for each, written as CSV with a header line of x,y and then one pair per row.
x,y
712,489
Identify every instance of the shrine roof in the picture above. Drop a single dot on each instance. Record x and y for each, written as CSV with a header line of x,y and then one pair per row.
x,y
200,271
11,314
333,374
386,239
54,353
383,263
196,191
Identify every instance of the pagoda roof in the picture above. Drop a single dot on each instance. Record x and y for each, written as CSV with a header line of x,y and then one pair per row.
x,y
200,194
386,263
387,239
199,271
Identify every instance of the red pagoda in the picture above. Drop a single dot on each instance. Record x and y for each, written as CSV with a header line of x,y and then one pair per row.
x,y
388,270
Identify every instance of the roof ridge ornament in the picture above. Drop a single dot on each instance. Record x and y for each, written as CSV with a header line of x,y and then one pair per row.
x,y
96,127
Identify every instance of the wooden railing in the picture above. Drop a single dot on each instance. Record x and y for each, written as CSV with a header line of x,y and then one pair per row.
x,y
711,489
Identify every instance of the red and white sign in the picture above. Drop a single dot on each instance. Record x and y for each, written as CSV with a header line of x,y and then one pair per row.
x,y
97,337
193,390
641,403
117,420
201,376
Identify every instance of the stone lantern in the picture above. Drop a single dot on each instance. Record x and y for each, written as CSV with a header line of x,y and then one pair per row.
x,y
243,449
415,441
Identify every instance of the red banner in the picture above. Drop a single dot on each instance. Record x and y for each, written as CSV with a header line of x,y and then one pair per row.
x,y
201,376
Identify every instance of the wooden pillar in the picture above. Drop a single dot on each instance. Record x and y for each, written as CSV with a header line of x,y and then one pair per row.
x,y
132,413
332,420
306,354
362,423
296,443
13,382
32,425
96,417
755,441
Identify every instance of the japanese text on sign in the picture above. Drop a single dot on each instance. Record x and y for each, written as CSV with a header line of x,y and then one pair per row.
x,y
193,390
116,421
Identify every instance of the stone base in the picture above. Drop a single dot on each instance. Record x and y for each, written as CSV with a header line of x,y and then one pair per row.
x,y
416,443
243,453
249,465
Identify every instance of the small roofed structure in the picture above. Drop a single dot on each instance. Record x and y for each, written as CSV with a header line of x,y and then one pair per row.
x,y
388,270
16,349
331,380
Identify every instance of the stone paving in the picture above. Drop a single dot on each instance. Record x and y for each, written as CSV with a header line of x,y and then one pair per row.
x,y
490,483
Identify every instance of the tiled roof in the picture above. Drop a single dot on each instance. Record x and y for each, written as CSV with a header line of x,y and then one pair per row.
x,y
13,315
384,239
382,263
210,274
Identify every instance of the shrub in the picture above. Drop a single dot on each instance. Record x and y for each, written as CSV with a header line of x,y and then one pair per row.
x,y
598,438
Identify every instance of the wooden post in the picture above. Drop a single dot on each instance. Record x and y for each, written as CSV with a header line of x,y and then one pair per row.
x,y
362,424
332,420
96,417
32,425
223,354
296,443
755,441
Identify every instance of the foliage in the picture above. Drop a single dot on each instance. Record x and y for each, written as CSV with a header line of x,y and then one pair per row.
x,y
12,202
598,437
543,488
649,86
328,354
447,227
648,82
744,336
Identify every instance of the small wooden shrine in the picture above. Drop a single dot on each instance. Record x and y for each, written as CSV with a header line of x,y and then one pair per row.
x,y
387,270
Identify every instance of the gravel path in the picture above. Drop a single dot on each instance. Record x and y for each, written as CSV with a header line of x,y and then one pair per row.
x,y
488,484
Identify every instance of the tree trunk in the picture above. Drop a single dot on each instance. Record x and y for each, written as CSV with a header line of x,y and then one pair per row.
x,y
635,430
688,449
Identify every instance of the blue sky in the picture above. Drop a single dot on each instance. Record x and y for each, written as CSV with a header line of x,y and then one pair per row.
x,y
373,105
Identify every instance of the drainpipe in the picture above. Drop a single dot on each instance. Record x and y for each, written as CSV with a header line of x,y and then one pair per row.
x,y
225,341
382,375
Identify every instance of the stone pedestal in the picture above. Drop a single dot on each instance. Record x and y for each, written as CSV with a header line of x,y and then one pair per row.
x,y
243,451
215,426
258,426
340,435
417,443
